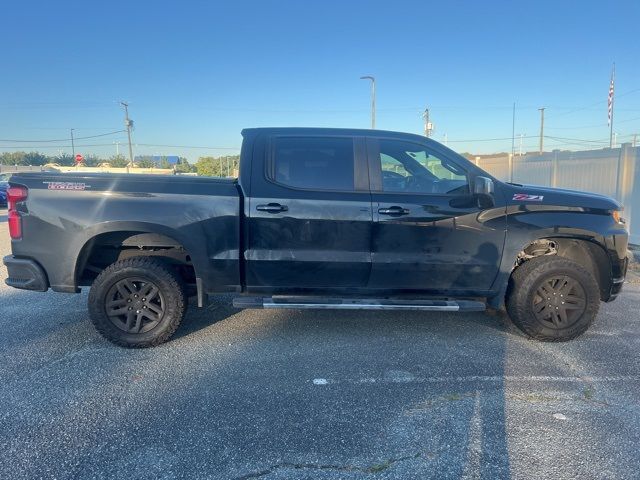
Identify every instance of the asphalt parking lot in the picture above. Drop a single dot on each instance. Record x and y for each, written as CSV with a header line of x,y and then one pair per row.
x,y
315,394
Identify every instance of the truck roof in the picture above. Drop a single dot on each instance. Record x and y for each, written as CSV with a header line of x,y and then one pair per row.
x,y
332,131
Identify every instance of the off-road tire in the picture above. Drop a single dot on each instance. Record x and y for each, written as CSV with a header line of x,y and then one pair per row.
x,y
524,290
171,300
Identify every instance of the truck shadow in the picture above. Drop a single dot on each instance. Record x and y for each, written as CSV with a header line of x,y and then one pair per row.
x,y
220,309
217,310
345,394
418,367
399,392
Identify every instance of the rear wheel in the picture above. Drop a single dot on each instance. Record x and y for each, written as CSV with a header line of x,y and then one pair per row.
x,y
137,302
552,298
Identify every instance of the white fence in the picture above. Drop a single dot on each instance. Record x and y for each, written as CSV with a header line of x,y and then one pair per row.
x,y
612,172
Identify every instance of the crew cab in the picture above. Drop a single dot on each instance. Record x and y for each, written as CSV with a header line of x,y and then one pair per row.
x,y
318,218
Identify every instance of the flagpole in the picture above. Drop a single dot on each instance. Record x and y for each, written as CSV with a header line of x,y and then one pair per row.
x,y
613,79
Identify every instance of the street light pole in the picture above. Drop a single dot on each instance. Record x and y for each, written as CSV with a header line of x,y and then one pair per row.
x,y
373,99
73,147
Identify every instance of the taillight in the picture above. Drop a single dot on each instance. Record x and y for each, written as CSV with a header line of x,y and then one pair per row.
x,y
15,195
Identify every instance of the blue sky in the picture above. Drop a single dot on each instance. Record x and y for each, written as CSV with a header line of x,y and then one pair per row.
x,y
196,73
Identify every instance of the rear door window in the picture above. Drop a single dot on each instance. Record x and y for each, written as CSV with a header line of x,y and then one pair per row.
x,y
315,163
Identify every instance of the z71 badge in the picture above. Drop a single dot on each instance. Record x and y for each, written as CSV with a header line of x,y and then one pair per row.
x,y
527,197
66,186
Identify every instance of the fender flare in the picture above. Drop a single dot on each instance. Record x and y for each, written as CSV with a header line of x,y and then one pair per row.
x,y
197,252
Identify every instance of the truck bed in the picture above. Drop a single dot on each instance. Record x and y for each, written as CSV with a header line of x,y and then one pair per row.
x,y
66,210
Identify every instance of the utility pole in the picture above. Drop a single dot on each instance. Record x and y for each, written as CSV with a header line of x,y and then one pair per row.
x,y
428,126
129,124
634,141
117,148
520,149
610,102
541,129
373,99
73,147
513,131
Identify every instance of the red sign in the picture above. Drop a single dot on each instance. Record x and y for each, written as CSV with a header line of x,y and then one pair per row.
x,y
79,158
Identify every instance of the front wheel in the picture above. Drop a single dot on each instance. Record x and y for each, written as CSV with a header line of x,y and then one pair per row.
x,y
137,302
552,299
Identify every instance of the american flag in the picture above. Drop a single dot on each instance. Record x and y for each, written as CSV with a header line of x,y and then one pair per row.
x,y
610,102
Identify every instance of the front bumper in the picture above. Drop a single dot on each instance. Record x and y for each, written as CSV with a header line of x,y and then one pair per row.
x,y
25,274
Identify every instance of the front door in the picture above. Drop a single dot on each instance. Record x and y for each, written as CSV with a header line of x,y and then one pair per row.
x,y
429,232
310,215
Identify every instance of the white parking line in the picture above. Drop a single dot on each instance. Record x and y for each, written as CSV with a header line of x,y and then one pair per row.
x,y
482,378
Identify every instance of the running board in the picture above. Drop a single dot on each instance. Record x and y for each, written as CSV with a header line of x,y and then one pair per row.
x,y
358,304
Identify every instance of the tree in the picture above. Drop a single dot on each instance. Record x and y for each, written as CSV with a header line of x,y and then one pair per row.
x,y
205,167
13,158
183,166
35,158
218,166
92,160
145,163
118,161
64,159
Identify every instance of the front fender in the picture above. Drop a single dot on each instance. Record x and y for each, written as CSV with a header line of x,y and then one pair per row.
x,y
525,225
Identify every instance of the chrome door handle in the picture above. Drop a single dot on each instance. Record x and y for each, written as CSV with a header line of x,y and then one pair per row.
x,y
272,208
397,211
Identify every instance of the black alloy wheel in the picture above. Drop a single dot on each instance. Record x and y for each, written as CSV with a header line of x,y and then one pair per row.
x,y
135,305
559,301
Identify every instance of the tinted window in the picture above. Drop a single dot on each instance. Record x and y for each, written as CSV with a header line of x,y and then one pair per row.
x,y
411,168
319,163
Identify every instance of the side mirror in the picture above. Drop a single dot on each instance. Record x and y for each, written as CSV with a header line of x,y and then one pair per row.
x,y
483,191
483,186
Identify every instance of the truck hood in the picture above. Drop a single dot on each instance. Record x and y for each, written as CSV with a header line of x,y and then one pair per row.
x,y
532,194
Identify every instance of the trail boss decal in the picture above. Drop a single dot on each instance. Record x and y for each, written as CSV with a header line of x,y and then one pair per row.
x,y
66,186
527,197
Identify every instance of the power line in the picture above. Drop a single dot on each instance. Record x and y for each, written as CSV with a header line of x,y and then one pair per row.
x,y
66,128
579,109
111,145
487,139
577,128
57,146
186,146
62,139
576,139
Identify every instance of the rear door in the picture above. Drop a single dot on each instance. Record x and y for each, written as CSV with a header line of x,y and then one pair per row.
x,y
310,215
429,234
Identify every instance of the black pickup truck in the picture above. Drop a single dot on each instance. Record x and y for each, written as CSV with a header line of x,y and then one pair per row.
x,y
319,218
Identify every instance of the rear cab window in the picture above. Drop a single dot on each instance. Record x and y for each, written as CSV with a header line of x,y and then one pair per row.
x,y
313,163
